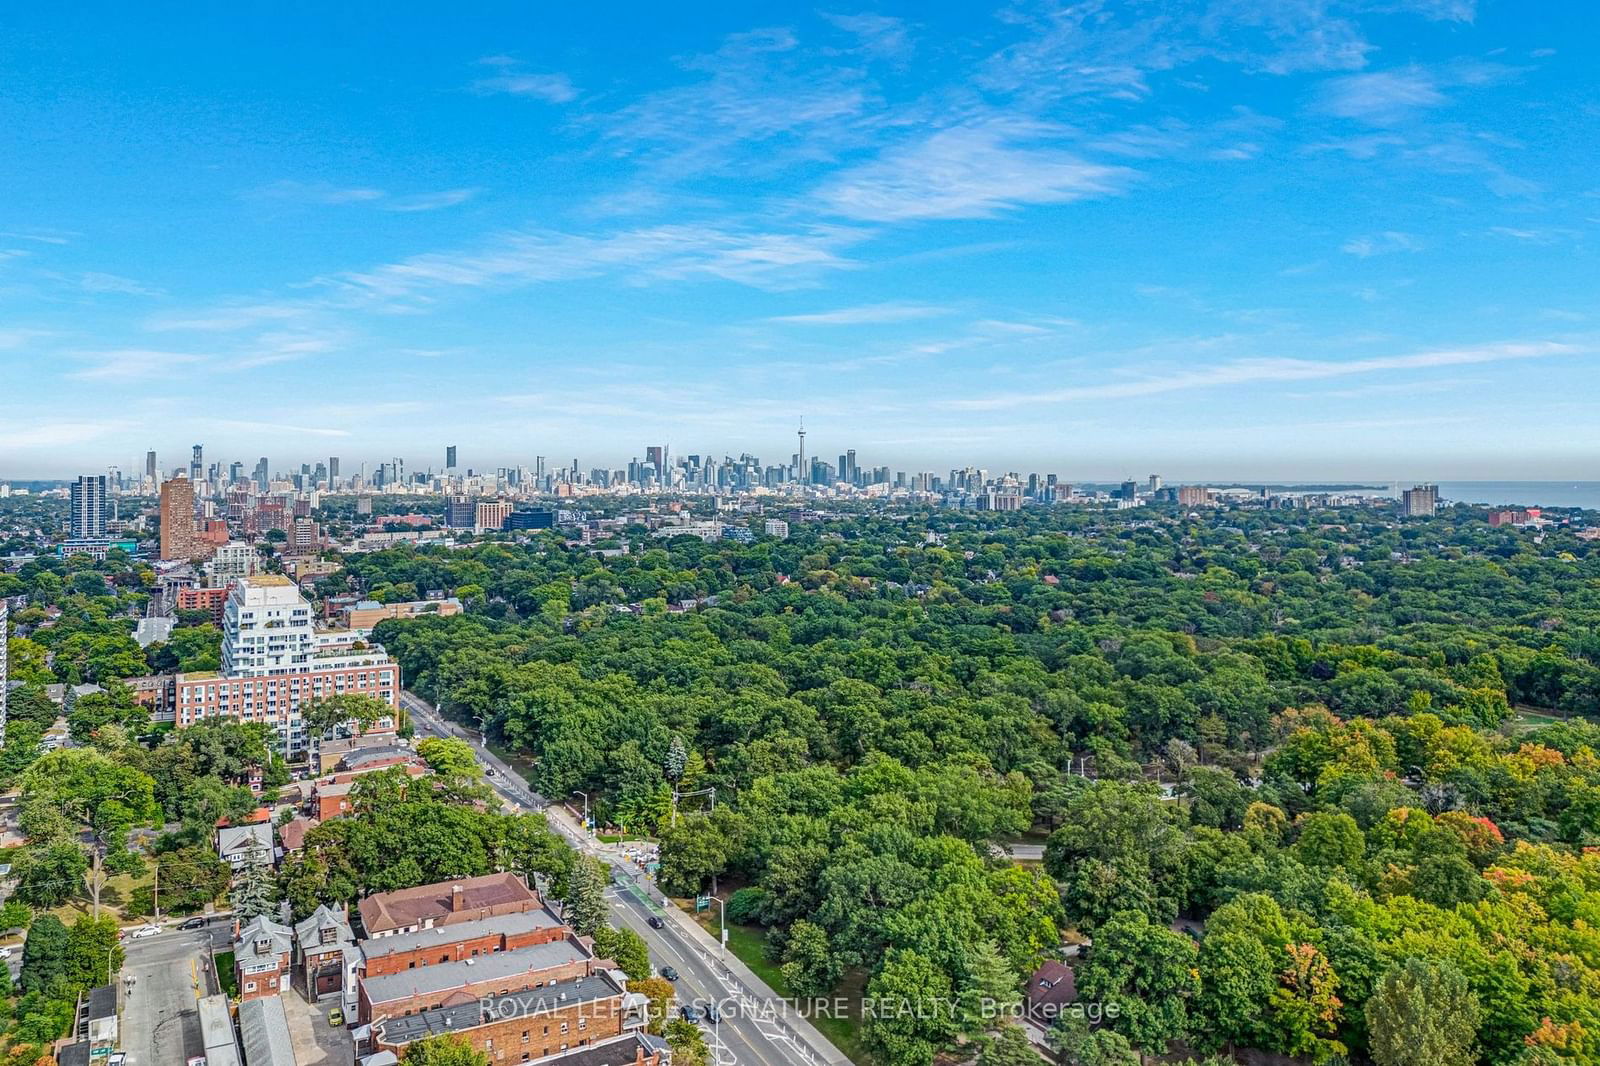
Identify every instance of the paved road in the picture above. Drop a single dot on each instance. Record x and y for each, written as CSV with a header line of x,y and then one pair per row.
x,y
743,1038
160,1023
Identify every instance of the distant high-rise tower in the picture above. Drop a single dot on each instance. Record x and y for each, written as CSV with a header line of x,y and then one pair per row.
x,y
450,457
196,466
261,474
656,456
333,470
1420,502
150,467
804,471
90,507
178,540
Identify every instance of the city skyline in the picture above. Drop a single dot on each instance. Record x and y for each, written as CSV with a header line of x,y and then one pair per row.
x,y
1309,241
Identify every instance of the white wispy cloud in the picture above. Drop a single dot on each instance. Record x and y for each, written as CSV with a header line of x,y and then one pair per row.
x,y
1381,244
552,88
429,201
879,34
759,258
315,192
977,171
132,364
229,317
869,314
96,282
18,337
1250,371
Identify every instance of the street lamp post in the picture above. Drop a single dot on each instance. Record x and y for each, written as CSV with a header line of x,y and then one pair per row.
x,y
722,952
585,796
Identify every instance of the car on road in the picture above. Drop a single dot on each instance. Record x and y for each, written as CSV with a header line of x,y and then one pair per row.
x,y
713,1015
193,923
198,1060
139,932
118,1058
5,953
669,973
336,1017
689,1012
655,922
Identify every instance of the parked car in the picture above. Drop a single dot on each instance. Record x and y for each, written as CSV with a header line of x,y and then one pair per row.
x,y
689,1012
5,953
194,923
655,922
669,973
198,1060
336,1017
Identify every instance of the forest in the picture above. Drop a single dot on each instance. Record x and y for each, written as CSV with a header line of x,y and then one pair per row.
x,y
1316,783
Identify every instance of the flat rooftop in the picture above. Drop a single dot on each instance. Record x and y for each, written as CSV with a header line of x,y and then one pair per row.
x,y
412,1027
496,966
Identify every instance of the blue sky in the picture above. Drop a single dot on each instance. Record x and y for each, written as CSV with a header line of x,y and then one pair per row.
x,y
1243,238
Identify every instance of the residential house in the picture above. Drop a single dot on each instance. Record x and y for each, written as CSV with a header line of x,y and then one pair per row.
x,y
238,845
261,953
1050,989
327,960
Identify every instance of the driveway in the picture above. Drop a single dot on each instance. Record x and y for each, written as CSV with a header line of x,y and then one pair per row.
x,y
160,1023
316,1043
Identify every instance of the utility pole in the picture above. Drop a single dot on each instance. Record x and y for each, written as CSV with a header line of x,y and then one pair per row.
x,y
155,892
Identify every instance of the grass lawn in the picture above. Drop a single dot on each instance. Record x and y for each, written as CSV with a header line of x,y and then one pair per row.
x,y
1525,719
225,975
112,898
748,942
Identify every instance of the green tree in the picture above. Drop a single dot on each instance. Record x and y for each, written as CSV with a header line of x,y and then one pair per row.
x,y
254,890
585,901
688,1044
1009,1046
443,1050
46,954
1148,972
1422,1014
624,947
914,1010
809,966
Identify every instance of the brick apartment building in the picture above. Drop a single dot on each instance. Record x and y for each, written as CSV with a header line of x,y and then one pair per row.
x,y
400,952
407,910
198,599
524,1026
451,984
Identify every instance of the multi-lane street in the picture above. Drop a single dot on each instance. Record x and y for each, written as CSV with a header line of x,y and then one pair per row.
x,y
753,1030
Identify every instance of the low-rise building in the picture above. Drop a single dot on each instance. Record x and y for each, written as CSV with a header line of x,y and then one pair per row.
x,y
264,1032
242,845
327,960
557,1018
449,984
363,615
406,910
261,954
455,943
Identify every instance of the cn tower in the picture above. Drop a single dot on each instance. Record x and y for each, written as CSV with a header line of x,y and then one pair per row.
x,y
804,472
